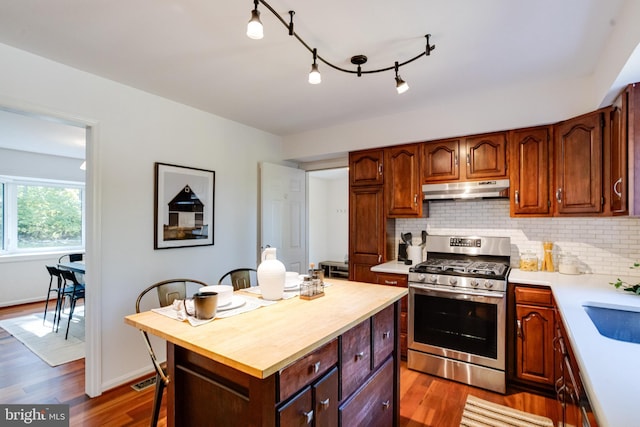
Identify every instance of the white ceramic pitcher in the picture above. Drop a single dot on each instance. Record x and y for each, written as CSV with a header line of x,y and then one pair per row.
x,y
271,275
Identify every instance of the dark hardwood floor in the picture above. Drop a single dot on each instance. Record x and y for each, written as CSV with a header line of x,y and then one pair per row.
x,y
24,378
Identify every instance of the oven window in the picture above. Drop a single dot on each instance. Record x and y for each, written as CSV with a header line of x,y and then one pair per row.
x,y
466,326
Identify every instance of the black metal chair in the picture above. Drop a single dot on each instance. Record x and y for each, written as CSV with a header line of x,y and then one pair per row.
x,y
54,274
240,278
167,292
73,291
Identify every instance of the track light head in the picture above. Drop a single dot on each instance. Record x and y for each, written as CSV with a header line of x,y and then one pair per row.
x,y
255,30
401,85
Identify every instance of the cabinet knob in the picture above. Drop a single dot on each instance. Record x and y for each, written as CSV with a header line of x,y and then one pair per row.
x,y
360,355
519,328
468,159
308,416
325,403
415,200
386,335
559,195
386,404
315,367
517,197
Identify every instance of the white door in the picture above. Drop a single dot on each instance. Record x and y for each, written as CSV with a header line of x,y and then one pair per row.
x,y
283,214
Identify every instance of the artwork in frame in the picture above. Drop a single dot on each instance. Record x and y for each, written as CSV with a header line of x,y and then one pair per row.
x,y
184,206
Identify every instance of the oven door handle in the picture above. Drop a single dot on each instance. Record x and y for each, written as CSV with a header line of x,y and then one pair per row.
x,y
453,292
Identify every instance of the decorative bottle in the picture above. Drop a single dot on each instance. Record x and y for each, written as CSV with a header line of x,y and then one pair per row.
x,y
271,275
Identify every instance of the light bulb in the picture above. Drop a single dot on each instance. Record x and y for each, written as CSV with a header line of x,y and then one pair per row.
x,y
254,27
314,75
401,85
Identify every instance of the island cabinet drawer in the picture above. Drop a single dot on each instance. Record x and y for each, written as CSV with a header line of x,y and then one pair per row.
x,y
325,395
306,370
372,405
383,334
297,412
355,357
533,295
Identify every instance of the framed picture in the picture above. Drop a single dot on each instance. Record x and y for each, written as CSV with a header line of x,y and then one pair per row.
x,y
184,201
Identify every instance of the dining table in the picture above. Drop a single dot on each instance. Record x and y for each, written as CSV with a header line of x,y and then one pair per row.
x,y
76,266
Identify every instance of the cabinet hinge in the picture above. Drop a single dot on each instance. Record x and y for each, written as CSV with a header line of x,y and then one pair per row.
x,y
549,203
602,201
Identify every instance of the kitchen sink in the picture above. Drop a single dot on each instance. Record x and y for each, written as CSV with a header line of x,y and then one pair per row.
x,y
617,322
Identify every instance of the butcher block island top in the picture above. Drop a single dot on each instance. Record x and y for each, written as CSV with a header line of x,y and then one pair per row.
x,y
264,341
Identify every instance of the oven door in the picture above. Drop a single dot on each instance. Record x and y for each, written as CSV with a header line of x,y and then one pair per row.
x,y
458,325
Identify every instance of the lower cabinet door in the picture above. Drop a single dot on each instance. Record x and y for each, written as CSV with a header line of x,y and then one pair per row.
x,y
298,412
372,405
325,394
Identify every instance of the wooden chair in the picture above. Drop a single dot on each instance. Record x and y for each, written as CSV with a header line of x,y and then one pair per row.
x,y
74,292
240,278
167,292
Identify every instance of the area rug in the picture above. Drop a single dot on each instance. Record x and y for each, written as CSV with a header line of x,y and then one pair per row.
x,y
480,413
46,343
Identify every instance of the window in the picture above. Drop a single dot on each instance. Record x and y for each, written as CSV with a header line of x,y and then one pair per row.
x,y
37,216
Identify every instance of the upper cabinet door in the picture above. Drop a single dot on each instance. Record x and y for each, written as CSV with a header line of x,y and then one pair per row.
x,y
529,176
403,191
617,180
486,156
578,164
365,167
440,161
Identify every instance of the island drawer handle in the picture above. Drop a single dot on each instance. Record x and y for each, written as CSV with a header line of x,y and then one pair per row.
x,y
316,367
325,403
386,335
359,355
385,405
308,416
390,282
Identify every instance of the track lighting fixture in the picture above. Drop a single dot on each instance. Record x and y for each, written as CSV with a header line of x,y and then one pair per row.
x,y
255,31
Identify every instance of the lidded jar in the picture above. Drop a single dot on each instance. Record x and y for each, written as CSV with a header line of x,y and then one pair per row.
x,y
528,261
271,276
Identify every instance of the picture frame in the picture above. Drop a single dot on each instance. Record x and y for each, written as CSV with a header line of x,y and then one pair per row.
x,y
184,206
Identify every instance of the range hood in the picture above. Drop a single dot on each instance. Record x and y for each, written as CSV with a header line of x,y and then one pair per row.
x,y
467,190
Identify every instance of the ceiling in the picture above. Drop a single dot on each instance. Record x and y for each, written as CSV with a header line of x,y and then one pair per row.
x,y
196,52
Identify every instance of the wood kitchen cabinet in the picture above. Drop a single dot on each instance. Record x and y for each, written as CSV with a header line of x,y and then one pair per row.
x,y
535,331
529,153
481,156
366,167
367,220
574,407
366,232
578,165
403,189
400,280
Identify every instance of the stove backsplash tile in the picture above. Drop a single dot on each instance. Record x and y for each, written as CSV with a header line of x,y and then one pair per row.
x,y
602,245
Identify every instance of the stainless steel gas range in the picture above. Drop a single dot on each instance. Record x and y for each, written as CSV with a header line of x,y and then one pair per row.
x,y
457,310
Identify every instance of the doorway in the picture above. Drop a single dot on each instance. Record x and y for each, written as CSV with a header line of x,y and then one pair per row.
x,y
328,211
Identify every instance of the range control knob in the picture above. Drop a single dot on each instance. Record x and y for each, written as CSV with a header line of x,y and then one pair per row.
x,y
422,277
453,281
475,283
433,278
489,284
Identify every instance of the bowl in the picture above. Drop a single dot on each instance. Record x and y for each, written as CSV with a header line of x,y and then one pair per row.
x,y
225,293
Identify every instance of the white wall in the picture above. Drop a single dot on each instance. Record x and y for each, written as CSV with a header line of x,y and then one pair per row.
x,y
603,245
134,130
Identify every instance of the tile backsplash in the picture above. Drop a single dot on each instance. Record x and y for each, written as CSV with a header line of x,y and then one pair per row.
x,y
602,245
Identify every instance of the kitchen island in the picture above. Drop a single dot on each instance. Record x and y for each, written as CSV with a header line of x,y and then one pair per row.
x,y
608,368
334,357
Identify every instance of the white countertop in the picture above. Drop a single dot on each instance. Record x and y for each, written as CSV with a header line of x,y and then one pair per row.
x,y
395,267
610,369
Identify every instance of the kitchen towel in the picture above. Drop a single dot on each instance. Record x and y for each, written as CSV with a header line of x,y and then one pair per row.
x,y
480,413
